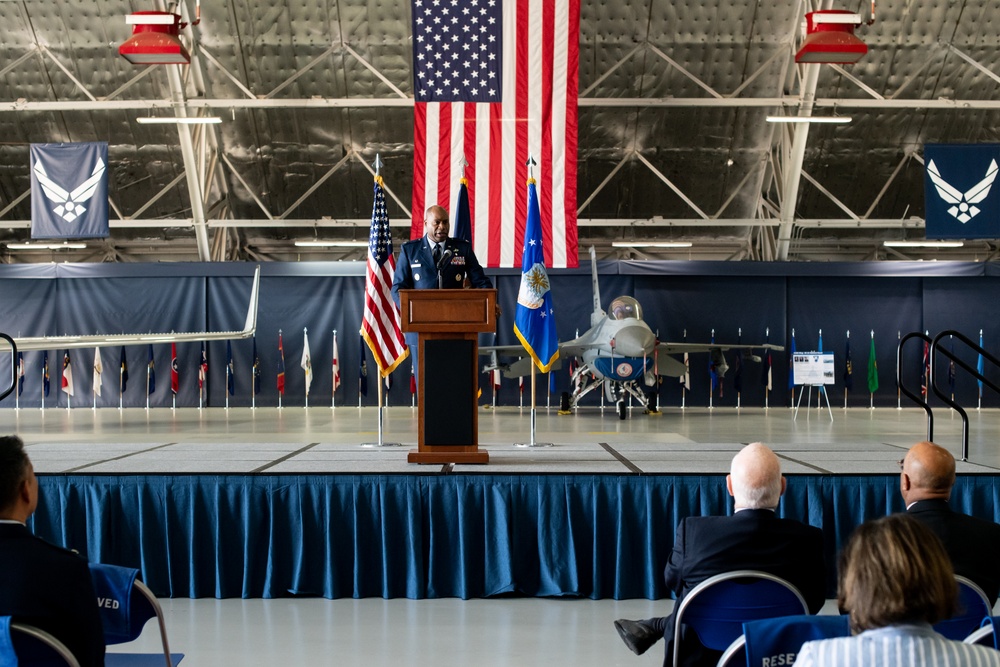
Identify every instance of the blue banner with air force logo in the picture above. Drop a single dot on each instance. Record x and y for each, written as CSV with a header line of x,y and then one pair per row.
x,y
69,191
962,200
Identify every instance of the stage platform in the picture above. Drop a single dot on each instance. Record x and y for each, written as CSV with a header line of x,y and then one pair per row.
x,y
294,440
274,503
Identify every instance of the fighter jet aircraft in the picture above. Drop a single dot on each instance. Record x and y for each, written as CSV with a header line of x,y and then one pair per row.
x,y
618,352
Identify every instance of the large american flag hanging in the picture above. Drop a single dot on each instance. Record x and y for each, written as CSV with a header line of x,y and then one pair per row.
x,y
496,81
380,320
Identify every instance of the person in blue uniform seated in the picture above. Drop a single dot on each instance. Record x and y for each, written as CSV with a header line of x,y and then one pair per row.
x,y
417,268
925,481
41,584
752,538
895,580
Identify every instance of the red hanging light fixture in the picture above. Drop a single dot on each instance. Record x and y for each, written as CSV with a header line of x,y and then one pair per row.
x,y
155,39
830,38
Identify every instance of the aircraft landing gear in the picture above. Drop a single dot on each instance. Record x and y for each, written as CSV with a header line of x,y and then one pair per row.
x,y
564,403
621,408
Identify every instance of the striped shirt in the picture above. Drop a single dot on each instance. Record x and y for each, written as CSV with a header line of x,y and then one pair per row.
x,y
896,646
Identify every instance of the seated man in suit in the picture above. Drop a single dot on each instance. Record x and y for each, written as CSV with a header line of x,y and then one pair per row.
x,y
928,473
753,538
41,584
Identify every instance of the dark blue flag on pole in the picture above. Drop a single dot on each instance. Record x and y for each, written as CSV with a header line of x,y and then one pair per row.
x,y
534,319
45,373
463,218
960,199
848,367
123,370
150,373
69,191
256,368
230,370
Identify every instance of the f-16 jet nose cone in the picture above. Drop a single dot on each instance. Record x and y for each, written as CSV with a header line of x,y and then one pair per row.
x,y
634,341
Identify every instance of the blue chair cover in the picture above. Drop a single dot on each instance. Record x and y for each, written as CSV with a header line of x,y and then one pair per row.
x,y
123,612
972,609
767,639
719,612
8,658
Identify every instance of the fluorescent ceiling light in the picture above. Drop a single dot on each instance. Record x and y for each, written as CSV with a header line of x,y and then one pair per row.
x,y
651,244
808,119
46,246
923,244
332,244
183,120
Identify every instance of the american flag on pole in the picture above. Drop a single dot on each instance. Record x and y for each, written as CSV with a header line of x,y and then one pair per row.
x,y
380,321
494,82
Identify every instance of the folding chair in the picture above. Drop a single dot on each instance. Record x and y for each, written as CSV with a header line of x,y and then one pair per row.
x,y
973,607
716,609
126,604
984,636
28,646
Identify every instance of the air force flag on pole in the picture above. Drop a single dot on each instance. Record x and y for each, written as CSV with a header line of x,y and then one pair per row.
x,y
534,319
69,191
960,198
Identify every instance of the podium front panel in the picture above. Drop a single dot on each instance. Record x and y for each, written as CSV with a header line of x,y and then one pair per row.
x,y
448,369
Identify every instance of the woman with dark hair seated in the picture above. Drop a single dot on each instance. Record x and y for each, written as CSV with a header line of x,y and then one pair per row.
x,y
895,580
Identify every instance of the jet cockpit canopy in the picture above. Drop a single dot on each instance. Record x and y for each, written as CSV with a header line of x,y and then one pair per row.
x,y
625,308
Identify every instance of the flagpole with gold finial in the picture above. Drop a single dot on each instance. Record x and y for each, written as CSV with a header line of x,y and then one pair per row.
x,y
532,442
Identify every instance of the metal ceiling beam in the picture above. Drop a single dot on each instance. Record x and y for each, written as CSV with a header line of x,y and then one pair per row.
x,y
85,106
793,167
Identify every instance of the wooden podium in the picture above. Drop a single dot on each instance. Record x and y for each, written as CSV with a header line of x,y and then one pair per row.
x,y
448,323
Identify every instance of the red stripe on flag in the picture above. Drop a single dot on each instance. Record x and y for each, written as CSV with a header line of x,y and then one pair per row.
x,y
545,175
469,139
444,161
521,125
419,175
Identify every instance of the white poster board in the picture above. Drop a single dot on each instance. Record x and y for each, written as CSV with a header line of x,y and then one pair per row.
x,y
813,368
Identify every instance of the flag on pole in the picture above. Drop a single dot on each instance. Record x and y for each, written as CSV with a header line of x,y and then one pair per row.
x,y
872,369
20,373
175,378
765,371
256,368
363,372
925,369
462,228
413,380
515,96
281,366
380,319
98,370
713,370
979,366
306,361
45,373
819,344
685,379
738,366
336,364
67,375
951,368
388,382
791,366
203,367
534,318
150,373
848,368
123,369
230,369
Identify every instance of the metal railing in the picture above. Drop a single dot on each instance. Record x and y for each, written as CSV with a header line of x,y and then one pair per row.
x,y
934,349
13,366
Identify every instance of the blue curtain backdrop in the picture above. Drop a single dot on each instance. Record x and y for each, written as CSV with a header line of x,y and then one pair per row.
x,y
419,536
888,297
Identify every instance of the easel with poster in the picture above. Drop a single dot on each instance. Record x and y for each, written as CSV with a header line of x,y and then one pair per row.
x,y
813,369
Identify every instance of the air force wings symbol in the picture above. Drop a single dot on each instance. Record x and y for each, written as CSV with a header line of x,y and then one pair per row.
x,y
963,208
69,205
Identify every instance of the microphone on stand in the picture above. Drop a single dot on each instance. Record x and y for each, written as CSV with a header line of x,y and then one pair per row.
x,y
443,262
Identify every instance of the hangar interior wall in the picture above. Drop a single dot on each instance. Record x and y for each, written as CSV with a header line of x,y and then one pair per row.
x,y
740,302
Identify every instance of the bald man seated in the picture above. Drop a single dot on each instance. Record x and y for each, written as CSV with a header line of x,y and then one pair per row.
x,y
928,474
753,538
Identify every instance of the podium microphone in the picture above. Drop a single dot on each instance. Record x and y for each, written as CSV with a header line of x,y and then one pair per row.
x,y
443,262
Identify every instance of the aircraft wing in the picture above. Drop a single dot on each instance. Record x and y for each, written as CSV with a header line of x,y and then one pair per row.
x,y
681,348
109,340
